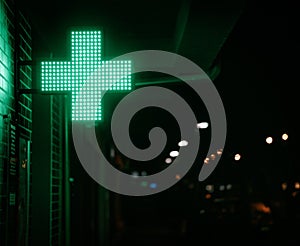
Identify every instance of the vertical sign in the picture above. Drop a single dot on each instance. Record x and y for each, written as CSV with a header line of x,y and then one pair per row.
x,y
12,186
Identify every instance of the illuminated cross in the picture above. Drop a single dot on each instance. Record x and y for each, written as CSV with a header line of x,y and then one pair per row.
x,y
86,76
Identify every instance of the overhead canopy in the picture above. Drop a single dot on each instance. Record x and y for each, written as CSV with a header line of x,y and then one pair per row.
x,y
192,28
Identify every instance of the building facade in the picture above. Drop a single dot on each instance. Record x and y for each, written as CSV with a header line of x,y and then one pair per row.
x,y
21,187
15,125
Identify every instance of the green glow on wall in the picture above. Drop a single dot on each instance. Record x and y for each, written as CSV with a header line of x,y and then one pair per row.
x,y
86,66
6,64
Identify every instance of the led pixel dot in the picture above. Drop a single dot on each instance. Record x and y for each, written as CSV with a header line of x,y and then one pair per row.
x,y
86,76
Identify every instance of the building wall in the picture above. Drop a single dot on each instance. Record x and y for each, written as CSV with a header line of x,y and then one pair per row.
x,y
15,125
6,85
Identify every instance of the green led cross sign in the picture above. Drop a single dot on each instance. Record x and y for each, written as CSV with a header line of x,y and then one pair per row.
x,y
86,76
